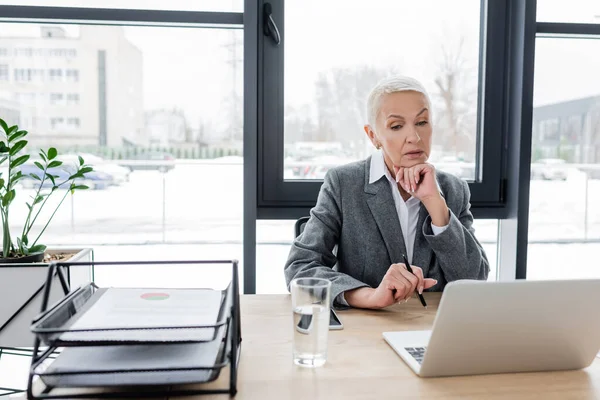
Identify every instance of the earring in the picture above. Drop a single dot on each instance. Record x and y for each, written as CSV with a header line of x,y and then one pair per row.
x,y
378,146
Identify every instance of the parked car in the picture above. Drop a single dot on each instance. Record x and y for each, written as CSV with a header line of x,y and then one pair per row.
x,y
550,169
94,179
119,173
150,160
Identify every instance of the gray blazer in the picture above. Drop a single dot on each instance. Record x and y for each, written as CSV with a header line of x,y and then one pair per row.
x,y
361,219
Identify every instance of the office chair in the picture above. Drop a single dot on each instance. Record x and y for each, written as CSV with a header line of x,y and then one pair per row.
x,y
299,225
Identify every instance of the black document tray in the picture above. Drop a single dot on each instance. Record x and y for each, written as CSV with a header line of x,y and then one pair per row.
x,y
127,368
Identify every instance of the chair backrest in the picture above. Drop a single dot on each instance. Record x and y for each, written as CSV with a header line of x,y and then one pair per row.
x,y
299,225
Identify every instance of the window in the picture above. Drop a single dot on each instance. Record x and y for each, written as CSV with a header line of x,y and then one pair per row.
x,y
316,121
3,72
24,51
56,52
152,135
56,98
72,75
56,123
22,75
73,122
55,75
72,99
564,210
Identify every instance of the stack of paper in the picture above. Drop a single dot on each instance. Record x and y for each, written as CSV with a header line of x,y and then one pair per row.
x,y
144,308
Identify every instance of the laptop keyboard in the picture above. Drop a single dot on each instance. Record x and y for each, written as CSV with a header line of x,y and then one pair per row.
x,y
417,353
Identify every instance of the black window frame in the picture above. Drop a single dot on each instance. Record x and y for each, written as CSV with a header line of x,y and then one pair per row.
x,y
281,199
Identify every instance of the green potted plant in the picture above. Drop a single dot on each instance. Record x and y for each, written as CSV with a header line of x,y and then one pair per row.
x,y
12,143
23,257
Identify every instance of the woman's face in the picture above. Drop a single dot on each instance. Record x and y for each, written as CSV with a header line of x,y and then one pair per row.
x,y
402,129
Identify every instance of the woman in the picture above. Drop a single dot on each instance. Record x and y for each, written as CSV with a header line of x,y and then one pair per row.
x,y
392,204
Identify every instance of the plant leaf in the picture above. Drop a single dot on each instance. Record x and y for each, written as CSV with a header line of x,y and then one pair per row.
x,y
51,177
25,240
15,178
16,135
3,148
34,176
43,156
85,170
8,197
39,165
3,159
1,182
80,160
28,206
18,161
17,147
52,153
3,125
54,164
11,130
37,248
79,187
38,199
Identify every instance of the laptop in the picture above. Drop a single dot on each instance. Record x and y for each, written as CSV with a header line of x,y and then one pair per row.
x,y
498,327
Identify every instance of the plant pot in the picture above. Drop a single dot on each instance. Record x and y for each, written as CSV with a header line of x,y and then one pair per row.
x,y
32,258
21,293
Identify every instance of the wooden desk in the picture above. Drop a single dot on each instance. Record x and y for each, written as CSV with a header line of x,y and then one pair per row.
x,y
361,365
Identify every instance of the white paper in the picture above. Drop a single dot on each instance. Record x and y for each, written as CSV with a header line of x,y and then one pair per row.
x,y
149,308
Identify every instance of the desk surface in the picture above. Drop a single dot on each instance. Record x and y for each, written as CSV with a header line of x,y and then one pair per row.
x,y
361,365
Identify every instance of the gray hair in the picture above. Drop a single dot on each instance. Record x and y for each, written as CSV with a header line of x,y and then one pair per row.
x,y
390,85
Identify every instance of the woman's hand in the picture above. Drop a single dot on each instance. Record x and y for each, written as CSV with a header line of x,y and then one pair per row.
x,y
397,285
420,181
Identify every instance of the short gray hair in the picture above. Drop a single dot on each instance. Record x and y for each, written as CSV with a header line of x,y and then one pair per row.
x,y
390,85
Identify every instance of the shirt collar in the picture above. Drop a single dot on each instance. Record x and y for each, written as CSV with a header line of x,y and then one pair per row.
x,y
379,169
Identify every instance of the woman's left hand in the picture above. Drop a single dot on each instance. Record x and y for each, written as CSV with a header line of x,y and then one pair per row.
x,y
418,180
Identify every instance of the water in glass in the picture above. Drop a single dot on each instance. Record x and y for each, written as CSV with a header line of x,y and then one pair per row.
x,y
311,326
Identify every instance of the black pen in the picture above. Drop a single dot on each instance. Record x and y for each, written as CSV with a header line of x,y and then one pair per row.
x,y
411,271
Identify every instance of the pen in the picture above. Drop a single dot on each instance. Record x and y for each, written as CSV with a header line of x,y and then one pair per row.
x,y
411,271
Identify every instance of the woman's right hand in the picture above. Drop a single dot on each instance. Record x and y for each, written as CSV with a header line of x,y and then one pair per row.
x,y
397,285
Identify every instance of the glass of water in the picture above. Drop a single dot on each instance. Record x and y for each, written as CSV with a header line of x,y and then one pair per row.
x,y
310,303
